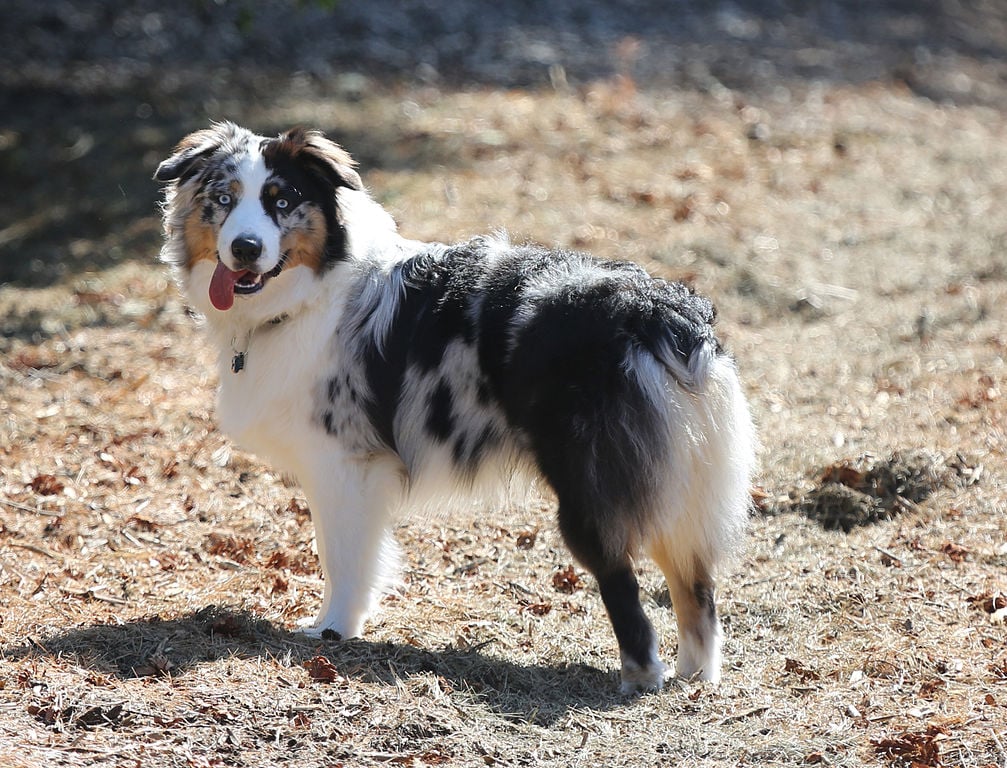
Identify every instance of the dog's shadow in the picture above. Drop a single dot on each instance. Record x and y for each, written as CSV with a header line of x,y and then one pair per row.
x,y
151,647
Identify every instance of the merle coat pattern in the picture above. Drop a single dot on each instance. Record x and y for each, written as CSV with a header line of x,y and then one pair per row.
x,y
382,372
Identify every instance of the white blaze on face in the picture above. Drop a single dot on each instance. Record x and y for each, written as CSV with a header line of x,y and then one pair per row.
x,y
248,219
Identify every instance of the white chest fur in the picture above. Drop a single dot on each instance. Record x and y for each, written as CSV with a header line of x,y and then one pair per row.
x,y
268,406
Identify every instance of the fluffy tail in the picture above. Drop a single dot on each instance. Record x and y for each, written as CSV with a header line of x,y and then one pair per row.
x,y
690,366
705,503
706,485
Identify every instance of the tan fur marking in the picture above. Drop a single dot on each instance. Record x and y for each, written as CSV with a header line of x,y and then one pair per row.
x,y
305,245
200,240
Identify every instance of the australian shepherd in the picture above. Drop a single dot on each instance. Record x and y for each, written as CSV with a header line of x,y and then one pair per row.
x,y
383,372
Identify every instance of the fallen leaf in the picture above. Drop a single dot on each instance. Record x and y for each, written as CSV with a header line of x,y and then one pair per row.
x,y
278,560
321,669
956,552
760,497
227,625
292,560
34,360
300,512
49,714
990,602
538,609
798,668
844,474
143,523
155,666
96,716
526,539
46,485
913,748
434,757
133,476
236,548
566,580
280,585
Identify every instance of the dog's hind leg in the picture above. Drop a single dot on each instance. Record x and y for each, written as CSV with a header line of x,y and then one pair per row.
x,y
691,587
612,566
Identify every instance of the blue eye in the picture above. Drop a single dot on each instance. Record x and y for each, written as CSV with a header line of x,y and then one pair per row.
x,y
224,199
282,203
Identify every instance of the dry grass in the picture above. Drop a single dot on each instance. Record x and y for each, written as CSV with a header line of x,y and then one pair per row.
x,y
151,575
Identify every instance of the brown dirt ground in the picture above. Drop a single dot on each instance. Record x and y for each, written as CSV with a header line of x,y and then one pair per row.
x,y
151,574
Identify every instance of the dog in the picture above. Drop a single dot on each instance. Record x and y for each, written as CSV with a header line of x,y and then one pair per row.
x,y
381,371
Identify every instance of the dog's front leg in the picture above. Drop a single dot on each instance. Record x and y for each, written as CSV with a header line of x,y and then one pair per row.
x,y
352,501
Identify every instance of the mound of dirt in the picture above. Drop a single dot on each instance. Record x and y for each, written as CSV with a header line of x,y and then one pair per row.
x,y
860,491
839,507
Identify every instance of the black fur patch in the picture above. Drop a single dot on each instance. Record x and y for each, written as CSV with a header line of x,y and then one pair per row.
x,y
329,420
703,592
440,418
470,449
293,178
334,389
430,314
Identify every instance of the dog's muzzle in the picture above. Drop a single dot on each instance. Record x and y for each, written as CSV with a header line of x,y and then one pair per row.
x,y
246,279
246,250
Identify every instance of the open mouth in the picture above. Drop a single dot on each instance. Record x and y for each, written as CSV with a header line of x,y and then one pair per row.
x,y
225,283
247,282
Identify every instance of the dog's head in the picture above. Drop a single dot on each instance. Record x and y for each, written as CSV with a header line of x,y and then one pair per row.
x,y
241,210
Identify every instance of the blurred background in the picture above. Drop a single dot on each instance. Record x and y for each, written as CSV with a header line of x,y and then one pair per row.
x,y
93,94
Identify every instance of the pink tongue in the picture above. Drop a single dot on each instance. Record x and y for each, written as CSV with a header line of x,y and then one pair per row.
x,y
222,287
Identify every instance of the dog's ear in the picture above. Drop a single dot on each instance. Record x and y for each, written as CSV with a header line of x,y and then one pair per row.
x,y
191,153
323,156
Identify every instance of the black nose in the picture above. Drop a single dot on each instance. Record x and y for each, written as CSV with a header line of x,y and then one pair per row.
x,y
246,249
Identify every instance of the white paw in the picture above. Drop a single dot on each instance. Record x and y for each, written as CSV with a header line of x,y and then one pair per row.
x,y
699,661
326,629
698,673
